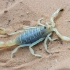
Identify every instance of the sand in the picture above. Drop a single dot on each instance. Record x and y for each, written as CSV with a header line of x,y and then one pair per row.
x,y
15,14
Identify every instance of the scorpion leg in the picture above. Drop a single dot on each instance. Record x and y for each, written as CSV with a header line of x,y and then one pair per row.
x,y
15,50
28,27
54,15
3,31
20,31
13,33
32,51
52,39
46,39
39,22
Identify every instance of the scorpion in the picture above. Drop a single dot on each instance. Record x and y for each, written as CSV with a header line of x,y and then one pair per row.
x,y
33,35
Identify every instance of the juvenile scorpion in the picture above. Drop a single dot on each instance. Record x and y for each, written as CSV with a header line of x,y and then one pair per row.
x,y
33,35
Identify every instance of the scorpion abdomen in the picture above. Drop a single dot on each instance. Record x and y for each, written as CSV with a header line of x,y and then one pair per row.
x,y
32,35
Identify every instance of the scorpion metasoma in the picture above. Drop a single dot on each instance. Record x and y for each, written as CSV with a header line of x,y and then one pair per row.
x,y
33,35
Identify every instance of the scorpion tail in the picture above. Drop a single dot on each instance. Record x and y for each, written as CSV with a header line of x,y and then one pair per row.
x,y
2,30
2,44
7,44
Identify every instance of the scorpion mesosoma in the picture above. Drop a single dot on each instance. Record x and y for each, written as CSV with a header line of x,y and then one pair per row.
x,y
33,35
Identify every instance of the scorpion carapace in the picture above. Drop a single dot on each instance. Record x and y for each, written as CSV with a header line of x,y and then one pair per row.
x,y
33,35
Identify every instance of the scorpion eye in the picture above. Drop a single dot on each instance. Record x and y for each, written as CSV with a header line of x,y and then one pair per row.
x,y
44,27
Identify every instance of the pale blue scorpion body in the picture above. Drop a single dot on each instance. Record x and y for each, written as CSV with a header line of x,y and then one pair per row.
x,y
32,35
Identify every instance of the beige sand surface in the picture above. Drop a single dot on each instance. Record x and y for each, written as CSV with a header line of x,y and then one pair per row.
x,y
14,14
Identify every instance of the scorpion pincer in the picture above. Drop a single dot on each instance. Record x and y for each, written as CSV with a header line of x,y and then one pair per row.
x,y
34,35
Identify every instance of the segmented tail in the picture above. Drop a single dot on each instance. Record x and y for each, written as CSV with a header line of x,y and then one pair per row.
x,y
7,44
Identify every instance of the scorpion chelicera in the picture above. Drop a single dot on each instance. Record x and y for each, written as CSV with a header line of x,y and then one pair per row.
x,y
33,35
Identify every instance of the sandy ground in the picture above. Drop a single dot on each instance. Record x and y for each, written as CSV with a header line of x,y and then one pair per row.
x,y
15,14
